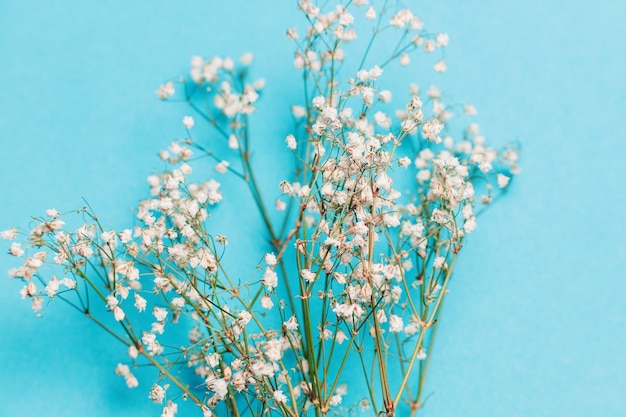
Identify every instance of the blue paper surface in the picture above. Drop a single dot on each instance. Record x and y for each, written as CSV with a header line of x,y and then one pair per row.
x,y
535,324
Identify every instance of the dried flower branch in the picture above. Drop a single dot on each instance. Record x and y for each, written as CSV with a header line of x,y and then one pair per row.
x,y
353,281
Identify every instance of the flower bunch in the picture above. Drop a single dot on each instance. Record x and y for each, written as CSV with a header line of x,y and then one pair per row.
x,y
350,289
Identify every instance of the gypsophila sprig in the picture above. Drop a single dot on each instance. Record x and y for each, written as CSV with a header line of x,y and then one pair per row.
x,y
352,282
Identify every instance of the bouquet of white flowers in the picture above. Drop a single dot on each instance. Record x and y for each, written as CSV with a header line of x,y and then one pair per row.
x,y
350,290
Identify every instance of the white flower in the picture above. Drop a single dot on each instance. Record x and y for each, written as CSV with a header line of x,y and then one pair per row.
x,y
270,259
118,313
270,279
440,66
502,180
298,111
222,167
140,302
382,120
166,90
246,59
404,59
133,352
188,122
307,275
280,397
52,213
385,96
395,323
442,39
439,262
266,302
431,130
159,313
157,393
404,162
421,354
244,317
16,249
319,102
291,324
470,110
291,142
370,14
9,234
233,143
280,205
273,350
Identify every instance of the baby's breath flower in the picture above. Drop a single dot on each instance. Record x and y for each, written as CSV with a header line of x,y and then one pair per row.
x,y
440,66
166,90
9,234
404,59
279,396
291,142
222,167
503,180
188,122
157,393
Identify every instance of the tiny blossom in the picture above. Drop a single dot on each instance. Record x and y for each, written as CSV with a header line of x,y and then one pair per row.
x,y
470,110
188,122
404,59
319,102
431,130
503,180
266,302
439,262
291,142
233,142
442,39
307,275
159,313
370,14
246,59
16,249
54,213
270,279
340,336
157,393
335,400
166,90
170,409
270,259
9,234
395,323
292,33
280,205
244,317
298,111
118,313
421,354
440,66
280,397
222,167
140,302
385,96
291,324
133,352
404,162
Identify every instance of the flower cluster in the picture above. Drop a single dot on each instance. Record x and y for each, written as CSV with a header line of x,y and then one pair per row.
x,y
357,273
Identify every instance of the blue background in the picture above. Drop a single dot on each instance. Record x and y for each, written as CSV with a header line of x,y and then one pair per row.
x,y
536,321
